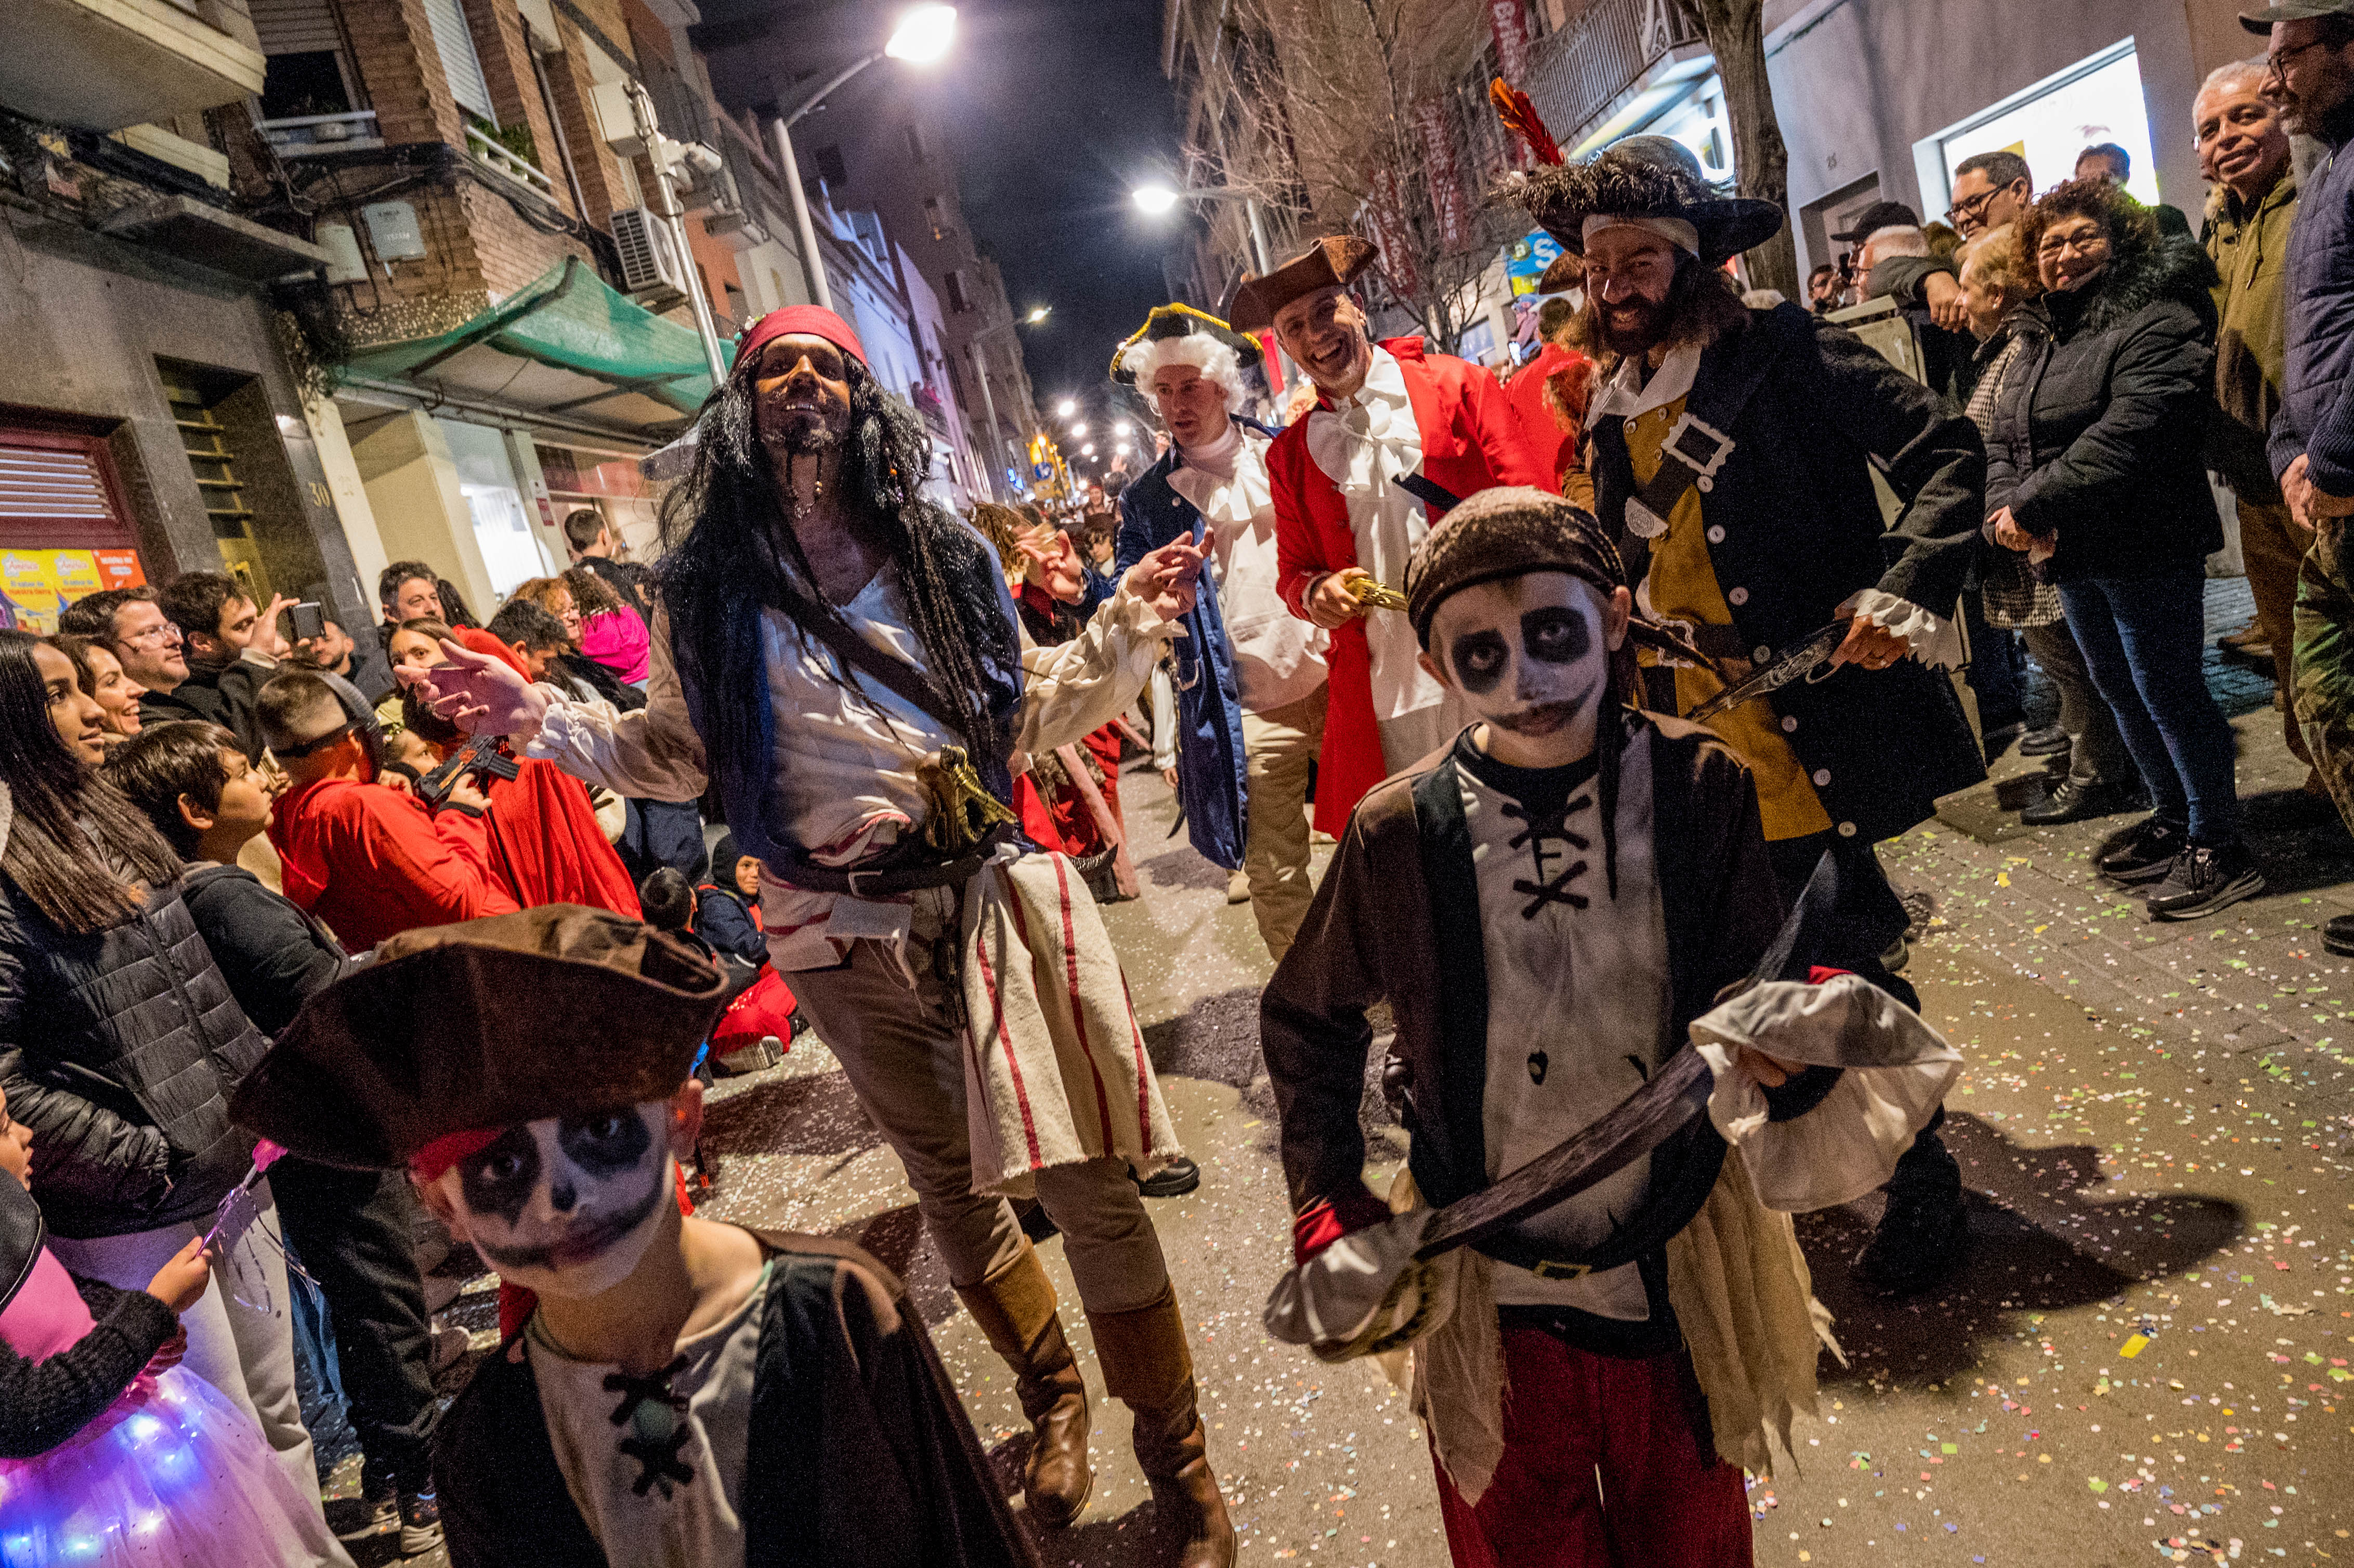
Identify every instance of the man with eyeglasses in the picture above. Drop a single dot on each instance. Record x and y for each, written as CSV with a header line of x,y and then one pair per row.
x,y
1990,189
2310,76
132,623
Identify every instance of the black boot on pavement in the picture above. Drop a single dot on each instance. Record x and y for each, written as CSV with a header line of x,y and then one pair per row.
x,y
2204,879
2069,801
2145,854
2046,742
1925,1231
1174,1180
2337,934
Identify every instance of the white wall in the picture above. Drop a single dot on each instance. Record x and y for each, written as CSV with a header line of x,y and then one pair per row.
x,y
1857,82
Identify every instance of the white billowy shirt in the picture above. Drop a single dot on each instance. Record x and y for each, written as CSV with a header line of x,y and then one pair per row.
x,y
1577,994
690,1520
1278,658
1365,446
842,781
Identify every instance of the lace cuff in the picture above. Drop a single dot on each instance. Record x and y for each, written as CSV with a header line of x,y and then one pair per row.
x,y
1935,640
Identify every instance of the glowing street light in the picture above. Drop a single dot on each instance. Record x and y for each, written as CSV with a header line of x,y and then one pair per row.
x,y
1087,450
1067,407
1037,314
1120,428
1120,450
1154,199
923,35
1080,429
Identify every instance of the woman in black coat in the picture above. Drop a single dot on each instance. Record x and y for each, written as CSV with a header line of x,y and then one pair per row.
x,y
2094,473
120,1044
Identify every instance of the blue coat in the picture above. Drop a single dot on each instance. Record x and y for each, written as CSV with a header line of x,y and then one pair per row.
x,y
1213,772
2316,413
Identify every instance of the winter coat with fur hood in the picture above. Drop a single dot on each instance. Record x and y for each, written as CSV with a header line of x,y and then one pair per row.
x,y
2098,439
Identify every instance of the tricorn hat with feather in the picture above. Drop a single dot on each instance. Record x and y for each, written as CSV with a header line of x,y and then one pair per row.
x,y
1647,182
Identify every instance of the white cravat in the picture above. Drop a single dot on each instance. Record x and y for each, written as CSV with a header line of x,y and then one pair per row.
x,y
1365,447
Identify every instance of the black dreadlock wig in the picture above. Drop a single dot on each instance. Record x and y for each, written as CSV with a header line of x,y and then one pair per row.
x,y
727,548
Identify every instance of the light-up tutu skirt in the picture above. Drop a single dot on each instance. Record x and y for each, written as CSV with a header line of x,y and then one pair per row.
x,y
173,1476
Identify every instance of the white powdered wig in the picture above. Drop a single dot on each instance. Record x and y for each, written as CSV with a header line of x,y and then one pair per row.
x,y
1214,360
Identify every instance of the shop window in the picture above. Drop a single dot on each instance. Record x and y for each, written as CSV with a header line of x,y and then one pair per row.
x,y
64,530
2098,99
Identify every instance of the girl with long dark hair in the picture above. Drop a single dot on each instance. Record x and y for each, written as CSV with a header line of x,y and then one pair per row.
x,y
120,1044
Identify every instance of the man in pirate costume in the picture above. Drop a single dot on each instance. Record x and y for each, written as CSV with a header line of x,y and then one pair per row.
x,y
685,1393
1396,436
1250,676
1548,908
842,660
1731,453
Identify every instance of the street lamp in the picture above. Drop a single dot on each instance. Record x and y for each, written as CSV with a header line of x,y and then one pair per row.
x,y
1067,407
923,35
921,38
1037,313
1080,429
1088,449
1120,428
1155,200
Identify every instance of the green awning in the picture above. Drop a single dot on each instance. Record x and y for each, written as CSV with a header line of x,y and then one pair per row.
x,y
589,352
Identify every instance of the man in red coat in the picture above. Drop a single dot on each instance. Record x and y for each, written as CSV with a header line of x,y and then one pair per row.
x,y
1396,436
368,860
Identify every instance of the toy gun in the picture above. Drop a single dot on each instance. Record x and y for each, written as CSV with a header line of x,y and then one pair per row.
x,y
480,754
1375,594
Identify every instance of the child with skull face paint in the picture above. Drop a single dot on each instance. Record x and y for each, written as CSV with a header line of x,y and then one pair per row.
x,y
1546,906
686,1393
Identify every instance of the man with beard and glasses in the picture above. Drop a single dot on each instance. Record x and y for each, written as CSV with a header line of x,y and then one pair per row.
x,y
1734,450
842,659
1397,435
683,1393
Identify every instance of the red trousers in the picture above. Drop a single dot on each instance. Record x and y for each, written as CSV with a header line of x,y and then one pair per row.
x,y
1601,1470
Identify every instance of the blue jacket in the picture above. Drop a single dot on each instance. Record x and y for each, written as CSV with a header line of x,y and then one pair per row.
x,y
2316,413
1213,771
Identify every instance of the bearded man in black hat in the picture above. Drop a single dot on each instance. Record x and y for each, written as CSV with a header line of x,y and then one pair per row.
x,y
1732,451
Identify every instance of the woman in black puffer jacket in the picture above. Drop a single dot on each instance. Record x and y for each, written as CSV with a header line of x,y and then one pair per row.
x,y
2094,471
120,1044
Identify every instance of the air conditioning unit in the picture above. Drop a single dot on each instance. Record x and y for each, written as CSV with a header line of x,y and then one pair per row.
x,y
653,272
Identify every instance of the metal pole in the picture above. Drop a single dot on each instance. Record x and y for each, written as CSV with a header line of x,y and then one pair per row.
x,y
1258,236
988,406
790,169
667,205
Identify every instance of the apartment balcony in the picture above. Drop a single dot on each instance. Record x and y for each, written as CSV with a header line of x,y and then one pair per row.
x,y
1603,76
499,159
102,65
304,134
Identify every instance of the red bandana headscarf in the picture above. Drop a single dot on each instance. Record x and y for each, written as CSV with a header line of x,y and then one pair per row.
x,y
798,321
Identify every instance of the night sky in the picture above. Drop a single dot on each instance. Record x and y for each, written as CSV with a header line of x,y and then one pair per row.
x,y
1060,108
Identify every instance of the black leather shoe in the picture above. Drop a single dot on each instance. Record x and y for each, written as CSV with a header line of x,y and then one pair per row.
x,y
1174,1180
2203,880
2337,934
2046,742
2146,852
2069,801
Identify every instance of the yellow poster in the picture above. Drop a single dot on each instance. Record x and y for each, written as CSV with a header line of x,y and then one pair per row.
x,y
35,586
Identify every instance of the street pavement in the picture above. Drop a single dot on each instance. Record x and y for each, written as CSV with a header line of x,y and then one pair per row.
x,y
2144,1356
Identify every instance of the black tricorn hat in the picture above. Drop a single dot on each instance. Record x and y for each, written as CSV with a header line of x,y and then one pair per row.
x,y
1183,321
557,1011
1635,179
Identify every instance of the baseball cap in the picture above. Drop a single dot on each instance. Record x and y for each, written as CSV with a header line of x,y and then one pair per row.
x,y
2261,21
1882,214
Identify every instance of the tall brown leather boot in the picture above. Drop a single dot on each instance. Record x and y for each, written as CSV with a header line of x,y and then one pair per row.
x,y
1015,1308
1147,1364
